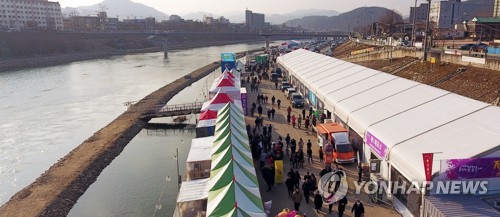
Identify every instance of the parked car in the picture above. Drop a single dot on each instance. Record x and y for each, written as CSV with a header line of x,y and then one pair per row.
x,y
289,91
474,47
285,85
297,100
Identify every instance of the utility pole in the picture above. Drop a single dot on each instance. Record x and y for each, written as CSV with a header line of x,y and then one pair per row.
x,y
426,46
413,31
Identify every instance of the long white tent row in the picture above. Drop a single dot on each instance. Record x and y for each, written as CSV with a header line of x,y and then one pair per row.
x,y
394,119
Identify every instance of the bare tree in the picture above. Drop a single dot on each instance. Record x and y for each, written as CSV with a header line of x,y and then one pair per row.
x,y
389,21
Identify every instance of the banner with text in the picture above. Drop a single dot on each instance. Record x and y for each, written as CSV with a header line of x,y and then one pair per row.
x,y
427,157
377,146
471,168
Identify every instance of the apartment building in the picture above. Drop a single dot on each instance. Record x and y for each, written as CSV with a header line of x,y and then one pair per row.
x,y
30,14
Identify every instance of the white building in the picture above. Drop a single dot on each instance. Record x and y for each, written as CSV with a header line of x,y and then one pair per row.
x,y
448,13
30,14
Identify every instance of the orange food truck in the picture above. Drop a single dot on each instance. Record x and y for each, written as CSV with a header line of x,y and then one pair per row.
x,y
334,140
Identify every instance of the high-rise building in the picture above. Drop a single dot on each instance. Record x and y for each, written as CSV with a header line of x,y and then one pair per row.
x,y
448,13
254,21
419,13
30,14
496,12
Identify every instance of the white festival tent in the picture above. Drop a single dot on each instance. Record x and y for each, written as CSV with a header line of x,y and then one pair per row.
x,y
226,86
398,112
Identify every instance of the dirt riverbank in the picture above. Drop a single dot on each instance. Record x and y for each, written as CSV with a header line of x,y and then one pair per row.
x,y
56,191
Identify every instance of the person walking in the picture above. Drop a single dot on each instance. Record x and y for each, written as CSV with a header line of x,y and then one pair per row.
x,y
321,155
318,201
297,198
306,189
301,144
289,184
289,110
259,110
304,112
268,114
273,111
299,121
273,99
293,121
309,155
360,172
279,103
276,84
342,204
358,209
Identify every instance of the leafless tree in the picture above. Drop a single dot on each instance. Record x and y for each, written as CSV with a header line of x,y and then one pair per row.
x,y
389,21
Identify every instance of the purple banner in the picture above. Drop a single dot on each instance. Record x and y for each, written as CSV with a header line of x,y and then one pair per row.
x,y
472,168
376,145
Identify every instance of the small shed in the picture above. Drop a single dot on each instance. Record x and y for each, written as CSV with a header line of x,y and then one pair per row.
x,y
192,199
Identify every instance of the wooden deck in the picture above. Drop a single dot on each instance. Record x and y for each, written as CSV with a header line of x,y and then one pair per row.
x,y
159,111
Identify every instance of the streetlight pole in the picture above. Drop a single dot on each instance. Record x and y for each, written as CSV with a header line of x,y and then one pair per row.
x,y
178,175
413,31
426,46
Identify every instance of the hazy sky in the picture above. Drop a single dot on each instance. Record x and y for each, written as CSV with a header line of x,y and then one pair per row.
x,y
181,7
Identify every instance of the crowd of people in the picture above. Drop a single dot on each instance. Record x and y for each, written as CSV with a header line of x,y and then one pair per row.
x,y
267,149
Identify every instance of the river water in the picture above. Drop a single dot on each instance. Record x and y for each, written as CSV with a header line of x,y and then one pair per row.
x,y
47,112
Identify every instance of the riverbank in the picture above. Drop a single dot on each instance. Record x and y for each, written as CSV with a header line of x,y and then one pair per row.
x,y
58,59
56,191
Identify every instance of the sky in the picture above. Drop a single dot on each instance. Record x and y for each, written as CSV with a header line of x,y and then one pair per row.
x,y
182,7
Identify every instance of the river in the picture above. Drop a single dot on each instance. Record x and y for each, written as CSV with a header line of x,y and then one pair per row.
x,y
47,112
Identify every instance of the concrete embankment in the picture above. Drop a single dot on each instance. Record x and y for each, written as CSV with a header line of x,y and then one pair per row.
x,y
56,191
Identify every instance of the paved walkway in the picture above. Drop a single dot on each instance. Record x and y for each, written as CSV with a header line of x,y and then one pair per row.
x,y
279,194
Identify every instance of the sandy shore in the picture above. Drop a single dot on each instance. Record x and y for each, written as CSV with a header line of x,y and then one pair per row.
x,y
56,191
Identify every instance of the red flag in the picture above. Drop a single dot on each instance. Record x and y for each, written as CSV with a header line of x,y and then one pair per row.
x,y
428,165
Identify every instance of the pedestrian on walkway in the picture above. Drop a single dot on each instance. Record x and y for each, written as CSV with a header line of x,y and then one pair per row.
x,y
293,146
360,172
306,189
296,178
289,110
299,121
279,103
266,98
301,144
268,175
293,121
273,111
287,140
288,118
318,201
297,198
341,208
289,185
304,112
321,155
273,99
357,209
301,158
314,121
276,84
259,110
310,111
268,113
309,155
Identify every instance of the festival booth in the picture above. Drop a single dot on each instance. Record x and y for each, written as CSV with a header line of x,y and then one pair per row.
x,y
227,86
219,101
198,161
233,185
206,123
192,199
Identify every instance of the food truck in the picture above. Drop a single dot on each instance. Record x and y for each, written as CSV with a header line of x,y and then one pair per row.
x,y
334,140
